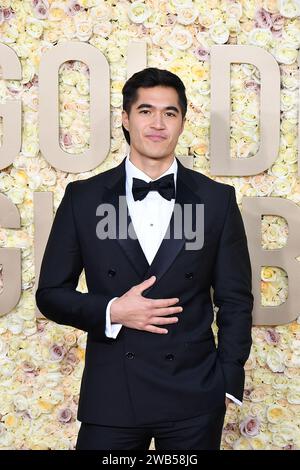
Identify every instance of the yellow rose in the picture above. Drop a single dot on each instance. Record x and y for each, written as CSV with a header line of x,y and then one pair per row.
x,y
268,274
57,11
11,421
276,414
280,170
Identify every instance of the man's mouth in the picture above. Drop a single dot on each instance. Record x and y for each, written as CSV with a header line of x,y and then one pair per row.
x,y
156,137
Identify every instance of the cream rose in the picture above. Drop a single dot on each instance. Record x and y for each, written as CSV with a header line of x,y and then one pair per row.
x,y
219,33
180,38
138,12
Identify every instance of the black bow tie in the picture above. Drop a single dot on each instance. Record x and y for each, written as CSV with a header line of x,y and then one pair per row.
x,y
165,186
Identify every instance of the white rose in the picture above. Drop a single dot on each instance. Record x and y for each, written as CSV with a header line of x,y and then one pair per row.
x,y
180,38
275,360
114,54
260,37
28,71
293,397
103,29
292,35
285,53
187,15
3,348
138,12
7,370
288,99
116,100
34,27
16,195
82,86
6,182
234,9
101,12
83,30
282,187
20,402
233,25
289,8
219,33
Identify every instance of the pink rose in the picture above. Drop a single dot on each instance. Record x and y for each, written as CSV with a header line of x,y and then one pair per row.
x,y
66,369
278,24
41,9
65,415
263,19
66,139
202,53
8,13
73,7
252,85
250,426
57,352
71,358
272,337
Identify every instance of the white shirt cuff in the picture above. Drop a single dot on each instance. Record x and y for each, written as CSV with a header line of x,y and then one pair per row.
x,y
111,330
238,402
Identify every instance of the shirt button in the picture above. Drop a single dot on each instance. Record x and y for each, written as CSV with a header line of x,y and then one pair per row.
x,y
111,272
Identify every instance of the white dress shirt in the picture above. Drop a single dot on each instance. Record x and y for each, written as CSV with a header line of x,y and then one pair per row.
x,y
150,218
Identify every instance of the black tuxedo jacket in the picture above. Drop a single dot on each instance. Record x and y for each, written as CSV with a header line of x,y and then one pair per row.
x,y
143,378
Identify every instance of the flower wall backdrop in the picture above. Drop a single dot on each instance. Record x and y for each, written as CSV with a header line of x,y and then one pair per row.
x,y
41,363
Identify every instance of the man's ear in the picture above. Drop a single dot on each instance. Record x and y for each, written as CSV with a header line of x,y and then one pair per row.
x,y
125,121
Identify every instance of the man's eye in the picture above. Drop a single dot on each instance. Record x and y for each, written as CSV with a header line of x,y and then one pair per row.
x,y
171,114
145,111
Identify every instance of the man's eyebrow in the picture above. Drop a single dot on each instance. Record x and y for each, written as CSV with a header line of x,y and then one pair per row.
x,y
146,105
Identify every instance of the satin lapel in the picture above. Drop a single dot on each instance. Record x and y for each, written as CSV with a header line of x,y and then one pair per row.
x,y
169,247
131,246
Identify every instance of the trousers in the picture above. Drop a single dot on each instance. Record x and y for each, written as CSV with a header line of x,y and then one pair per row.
x,y
201,432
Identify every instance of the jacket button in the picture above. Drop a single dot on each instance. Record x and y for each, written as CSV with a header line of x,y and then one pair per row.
x,y
111,272
189,275
169,357
129,355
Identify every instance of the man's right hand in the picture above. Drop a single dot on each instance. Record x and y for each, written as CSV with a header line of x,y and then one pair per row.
x,y
135,311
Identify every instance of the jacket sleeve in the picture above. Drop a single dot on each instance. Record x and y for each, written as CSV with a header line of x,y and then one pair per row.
x,y
232,284
56,295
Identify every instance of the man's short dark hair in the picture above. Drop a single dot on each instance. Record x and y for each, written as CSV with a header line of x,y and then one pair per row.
x,y
148,78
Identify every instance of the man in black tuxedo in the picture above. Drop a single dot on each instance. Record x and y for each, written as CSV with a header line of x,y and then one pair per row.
x,y
152,367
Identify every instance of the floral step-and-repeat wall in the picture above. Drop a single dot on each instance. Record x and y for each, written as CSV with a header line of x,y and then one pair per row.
x,y
41,363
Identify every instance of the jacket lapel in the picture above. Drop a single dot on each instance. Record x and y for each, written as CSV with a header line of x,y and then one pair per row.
x,y
186,193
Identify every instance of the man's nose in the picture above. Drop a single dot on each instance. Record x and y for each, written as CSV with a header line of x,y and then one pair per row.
x,y
158,121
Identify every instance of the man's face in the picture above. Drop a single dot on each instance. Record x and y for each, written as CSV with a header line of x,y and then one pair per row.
x,y
154,122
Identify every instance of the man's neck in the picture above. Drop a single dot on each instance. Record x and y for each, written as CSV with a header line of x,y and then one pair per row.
x,y
153,167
